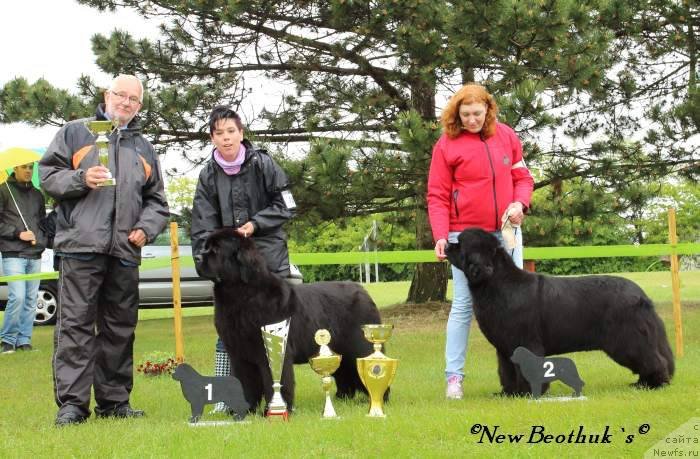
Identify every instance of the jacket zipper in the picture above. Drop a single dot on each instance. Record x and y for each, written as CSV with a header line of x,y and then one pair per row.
x,y
114,217
455,194
493,183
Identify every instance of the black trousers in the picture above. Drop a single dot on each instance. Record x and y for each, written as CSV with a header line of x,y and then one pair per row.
x,y
94,336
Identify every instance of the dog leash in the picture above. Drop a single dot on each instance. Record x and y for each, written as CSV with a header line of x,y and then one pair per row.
x,y
509,231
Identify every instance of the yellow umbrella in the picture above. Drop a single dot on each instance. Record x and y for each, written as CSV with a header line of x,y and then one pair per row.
x,y
16,156
13,157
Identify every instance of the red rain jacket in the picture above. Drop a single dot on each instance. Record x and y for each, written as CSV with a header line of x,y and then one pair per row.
x,y
472,181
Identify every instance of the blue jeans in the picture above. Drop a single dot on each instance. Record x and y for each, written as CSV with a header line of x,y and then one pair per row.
x,y
460,318
21,301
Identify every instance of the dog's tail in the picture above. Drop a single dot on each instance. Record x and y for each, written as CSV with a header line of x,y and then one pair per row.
x,y
664,347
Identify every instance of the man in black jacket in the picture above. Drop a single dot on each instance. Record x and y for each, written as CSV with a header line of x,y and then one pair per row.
x,y
21,248
99,234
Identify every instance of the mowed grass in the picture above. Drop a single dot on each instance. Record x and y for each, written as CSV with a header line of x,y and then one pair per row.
x,y
419,423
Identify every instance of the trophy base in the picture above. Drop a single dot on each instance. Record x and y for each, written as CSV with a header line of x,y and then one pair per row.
x,y
376,413
328,410
277,415
277,409
108,182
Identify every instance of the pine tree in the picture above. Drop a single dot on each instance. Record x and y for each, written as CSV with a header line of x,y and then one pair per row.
x,y
370,76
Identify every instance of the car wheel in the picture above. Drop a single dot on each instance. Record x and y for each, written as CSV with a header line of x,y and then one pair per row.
x,y
46,305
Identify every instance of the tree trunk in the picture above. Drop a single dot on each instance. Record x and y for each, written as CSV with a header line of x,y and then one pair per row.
x,y
467,75
429,281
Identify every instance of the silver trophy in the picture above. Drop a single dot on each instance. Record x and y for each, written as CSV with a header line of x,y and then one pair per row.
x,y
275,340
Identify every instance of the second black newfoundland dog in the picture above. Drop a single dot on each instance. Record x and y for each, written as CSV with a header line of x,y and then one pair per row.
x,y
247,296
555,315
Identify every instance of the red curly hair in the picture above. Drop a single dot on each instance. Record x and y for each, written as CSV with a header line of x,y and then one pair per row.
x,y
468,94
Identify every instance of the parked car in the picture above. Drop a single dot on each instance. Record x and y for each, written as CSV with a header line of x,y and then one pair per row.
x,y
155,285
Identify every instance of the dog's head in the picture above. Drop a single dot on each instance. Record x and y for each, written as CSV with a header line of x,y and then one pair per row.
x,y
474,253
229,257
180,371
520,354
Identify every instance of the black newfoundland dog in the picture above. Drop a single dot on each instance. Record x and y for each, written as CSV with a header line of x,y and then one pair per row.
x,y
247,296
555,315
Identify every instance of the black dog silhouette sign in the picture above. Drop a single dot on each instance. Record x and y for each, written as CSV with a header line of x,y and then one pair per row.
x,y
542,370
203,390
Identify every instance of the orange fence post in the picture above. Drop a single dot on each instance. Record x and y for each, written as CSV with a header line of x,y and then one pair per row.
x,y
675,282
529,265
177,304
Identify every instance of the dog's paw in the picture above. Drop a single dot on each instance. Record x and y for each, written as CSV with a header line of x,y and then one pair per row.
x,y
641,385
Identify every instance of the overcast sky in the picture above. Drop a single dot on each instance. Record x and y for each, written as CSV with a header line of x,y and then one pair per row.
x,y
51,39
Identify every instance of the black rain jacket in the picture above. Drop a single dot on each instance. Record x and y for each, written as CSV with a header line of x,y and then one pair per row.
x,y
31,203
100,220
253,194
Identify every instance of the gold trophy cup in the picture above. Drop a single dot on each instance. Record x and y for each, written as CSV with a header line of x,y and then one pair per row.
x,y
275,340
101,129
377,371
325,364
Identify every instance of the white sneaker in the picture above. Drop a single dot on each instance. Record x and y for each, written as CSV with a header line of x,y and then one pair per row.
x,y
454,388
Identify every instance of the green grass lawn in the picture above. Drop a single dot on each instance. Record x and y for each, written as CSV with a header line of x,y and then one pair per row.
x,y
419,423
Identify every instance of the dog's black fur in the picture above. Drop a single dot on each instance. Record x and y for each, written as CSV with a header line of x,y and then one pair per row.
x,y
247,296
555,315
225,389
536,372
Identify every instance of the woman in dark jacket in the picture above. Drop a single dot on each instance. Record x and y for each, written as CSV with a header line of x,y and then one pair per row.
x,y
243,188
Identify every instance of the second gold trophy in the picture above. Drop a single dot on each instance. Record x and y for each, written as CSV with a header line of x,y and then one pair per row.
x,y
377,371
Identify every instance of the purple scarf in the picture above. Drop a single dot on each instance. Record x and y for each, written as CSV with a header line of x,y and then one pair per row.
x,y
230,167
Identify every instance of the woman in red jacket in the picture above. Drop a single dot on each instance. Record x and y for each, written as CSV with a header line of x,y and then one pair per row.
x,y
477,178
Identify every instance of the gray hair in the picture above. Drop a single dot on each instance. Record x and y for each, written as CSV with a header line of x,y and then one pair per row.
x,y
123,77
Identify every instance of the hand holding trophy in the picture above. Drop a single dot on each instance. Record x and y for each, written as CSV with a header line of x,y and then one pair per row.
x,y
325,364
102,129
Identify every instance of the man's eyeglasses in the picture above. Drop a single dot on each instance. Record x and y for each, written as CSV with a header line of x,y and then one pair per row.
x,y
120,96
